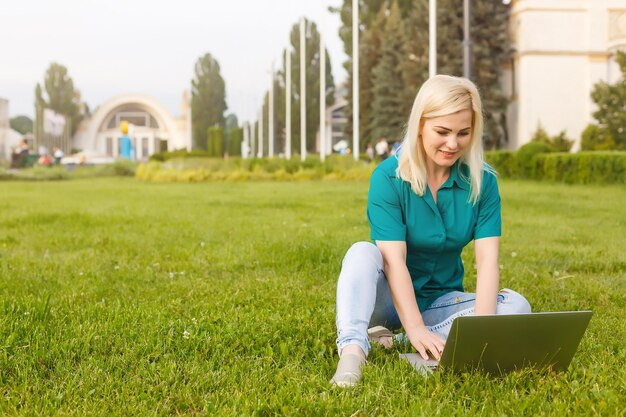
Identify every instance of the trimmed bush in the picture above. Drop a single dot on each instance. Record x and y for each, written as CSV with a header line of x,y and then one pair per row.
x,y
237,169
582,167
235,139
179,153
215,141
504,162
525,158
595,139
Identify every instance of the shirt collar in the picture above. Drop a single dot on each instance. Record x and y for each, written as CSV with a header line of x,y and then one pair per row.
x,y
457,177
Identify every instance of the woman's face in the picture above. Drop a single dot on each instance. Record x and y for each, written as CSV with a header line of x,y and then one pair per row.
x,y
446,138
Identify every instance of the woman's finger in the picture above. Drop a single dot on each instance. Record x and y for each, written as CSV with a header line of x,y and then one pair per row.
x,y
434,350
422,351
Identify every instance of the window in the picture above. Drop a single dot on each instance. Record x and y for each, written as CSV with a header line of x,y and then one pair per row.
x,y
144,147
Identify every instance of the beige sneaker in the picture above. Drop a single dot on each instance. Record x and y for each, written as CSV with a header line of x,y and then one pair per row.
x,y
381,335
348,372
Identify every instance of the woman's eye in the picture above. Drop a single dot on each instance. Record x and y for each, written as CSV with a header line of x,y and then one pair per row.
x,y
443,133
463,133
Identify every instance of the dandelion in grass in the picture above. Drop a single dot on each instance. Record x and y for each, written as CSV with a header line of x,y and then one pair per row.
x,y
186,334
513,254
202,244
194,321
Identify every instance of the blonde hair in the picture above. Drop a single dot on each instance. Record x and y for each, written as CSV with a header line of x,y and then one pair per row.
x,y
442,95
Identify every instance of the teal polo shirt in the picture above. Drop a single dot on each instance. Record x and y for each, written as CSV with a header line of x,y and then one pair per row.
x,y
435,233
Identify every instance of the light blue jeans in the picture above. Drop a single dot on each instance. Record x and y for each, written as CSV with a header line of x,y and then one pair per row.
x,y
364,300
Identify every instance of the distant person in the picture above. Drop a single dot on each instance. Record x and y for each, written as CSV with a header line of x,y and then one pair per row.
x,y
423,208
44,160
58,155
23,151
126,144
395,148
370,152
382,148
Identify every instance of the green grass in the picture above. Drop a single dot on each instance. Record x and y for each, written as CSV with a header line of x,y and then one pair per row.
x,y
124,298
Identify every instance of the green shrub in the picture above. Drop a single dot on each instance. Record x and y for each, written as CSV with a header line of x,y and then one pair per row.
x,y
215,141
594,138
583,167
526,156
235,138
237,169
504,162
179,153
558,143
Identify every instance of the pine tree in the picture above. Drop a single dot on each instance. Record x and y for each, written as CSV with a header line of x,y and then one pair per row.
x,y
388,118
611,113
491,49
490,52
312,74
208,99
371,51
415,66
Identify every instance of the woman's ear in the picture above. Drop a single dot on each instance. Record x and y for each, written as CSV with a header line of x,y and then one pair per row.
x,y
420,128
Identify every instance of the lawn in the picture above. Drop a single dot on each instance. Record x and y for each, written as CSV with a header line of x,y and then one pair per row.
x,y
124,298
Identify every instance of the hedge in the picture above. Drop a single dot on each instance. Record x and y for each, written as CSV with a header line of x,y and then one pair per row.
x,y
335,167
607,167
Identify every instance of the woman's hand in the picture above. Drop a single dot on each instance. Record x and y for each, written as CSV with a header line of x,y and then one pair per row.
x,y
424,341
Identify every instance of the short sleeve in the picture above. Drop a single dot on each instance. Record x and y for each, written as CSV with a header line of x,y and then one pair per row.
x,y
384,211
489,223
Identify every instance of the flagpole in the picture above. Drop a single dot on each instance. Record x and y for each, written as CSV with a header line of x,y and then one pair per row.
x,y
467,41
270,117
288,103
355,79
245,144
302,93
252,140
432,37
322,97
261,132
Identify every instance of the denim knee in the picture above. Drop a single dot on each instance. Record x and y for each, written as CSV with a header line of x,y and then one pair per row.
x,y
364,252
513,303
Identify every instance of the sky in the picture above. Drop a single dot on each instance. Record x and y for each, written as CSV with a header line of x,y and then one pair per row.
x,y
150,47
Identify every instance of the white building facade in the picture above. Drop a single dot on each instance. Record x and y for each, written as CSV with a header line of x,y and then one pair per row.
x,y
9,138
562,49
151,128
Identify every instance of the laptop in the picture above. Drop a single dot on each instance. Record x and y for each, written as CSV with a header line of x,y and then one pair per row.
x,y
498,344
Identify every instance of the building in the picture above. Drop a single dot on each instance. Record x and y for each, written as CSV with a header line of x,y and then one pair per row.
x,y
152,128
562,49
9,138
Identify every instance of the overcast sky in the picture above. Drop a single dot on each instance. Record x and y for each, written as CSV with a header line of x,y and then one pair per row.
x,y
150,46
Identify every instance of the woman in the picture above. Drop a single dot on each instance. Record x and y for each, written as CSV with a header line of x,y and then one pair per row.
x,y
424,206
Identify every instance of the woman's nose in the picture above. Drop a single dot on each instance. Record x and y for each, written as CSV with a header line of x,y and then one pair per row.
x,y
452,142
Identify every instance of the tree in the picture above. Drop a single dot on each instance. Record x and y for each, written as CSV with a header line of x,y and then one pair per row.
x,y
558,143
368,11
387,103
312,74
595,139
231,124
208,99
415,66
215,141
59,95
490,51
22,124
611,113
370,53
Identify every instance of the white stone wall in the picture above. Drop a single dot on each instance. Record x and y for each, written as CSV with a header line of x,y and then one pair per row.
x,y
563,48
